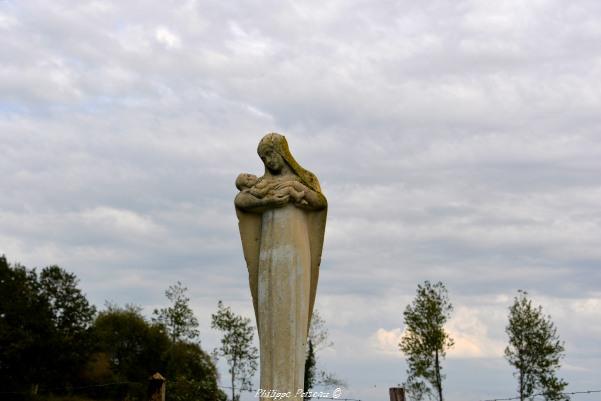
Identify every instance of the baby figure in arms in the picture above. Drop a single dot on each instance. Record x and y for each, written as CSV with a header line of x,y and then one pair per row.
x,y
249,183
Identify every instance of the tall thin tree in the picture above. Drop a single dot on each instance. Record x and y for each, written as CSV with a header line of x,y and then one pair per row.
x,y
236,346
534,350
178,319
309,378
425,340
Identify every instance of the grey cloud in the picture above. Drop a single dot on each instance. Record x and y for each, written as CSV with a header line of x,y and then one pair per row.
x,y
455,141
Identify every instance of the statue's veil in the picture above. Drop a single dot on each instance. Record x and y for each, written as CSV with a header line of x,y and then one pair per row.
x,y
250,226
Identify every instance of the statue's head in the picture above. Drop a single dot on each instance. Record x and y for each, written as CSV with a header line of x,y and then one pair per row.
x,y
245,181
273,150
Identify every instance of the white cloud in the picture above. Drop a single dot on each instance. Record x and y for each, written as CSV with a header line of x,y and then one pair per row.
x,y
7,21
387,341
471,336
469,333
120,222
167,37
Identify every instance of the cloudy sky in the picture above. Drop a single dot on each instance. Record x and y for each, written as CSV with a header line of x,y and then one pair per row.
x,y
456,141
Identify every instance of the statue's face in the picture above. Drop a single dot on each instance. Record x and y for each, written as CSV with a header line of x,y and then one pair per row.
x,y
272,160
249,179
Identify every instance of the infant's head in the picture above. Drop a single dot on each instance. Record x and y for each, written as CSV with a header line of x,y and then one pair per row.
x,y
245,181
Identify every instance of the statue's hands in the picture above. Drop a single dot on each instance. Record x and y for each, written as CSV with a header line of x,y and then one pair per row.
x,y
278,199
297,186
295,189
276,195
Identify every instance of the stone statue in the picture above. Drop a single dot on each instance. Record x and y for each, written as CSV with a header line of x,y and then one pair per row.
x,y
282,217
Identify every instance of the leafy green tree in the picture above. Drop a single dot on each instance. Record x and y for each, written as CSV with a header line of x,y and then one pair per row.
x,y
534,350
192,374
50,341
178,319
236,347
72,316
72,313
425,340
25,329
132,348
309,379
44,327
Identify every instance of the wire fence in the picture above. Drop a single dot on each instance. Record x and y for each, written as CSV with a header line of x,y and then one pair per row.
x,y
544,394
123,383
256,391
71,388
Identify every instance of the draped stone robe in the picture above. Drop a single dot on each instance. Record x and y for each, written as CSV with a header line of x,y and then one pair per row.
x,y
282,247
283,292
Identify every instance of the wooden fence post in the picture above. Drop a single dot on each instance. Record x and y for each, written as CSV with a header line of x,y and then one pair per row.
x,y
156,387
397,394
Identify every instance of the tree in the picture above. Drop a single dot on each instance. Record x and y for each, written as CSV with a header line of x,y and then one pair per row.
x,y
310,362
236,347
132,346
130,349
25,329
72,313
425,340
318,332
178,319
534,350
72,317
44,327
318,340
192,374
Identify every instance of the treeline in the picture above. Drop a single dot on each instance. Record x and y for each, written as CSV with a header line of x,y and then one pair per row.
x,y
55,345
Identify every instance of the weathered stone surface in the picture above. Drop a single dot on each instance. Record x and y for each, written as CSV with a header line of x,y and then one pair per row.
x,y
282,218
156,387
396,393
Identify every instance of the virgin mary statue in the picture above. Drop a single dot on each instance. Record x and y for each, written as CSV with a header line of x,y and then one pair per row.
x,y
282,218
